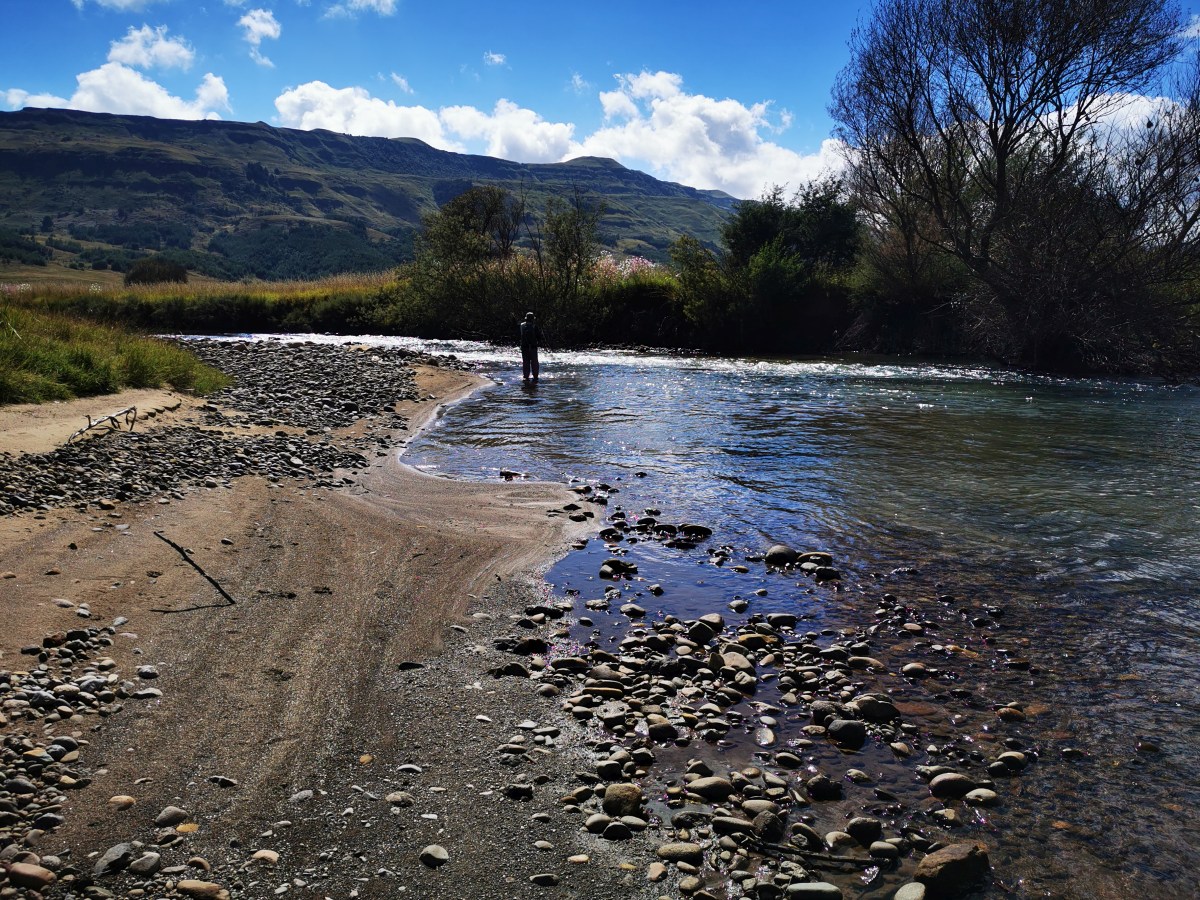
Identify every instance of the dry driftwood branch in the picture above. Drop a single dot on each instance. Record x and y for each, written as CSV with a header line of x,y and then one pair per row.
x,y
113,421
191,562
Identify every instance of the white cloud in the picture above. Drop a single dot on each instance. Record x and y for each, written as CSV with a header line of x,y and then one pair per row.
x,y
353,110
653,123
15,98
146,47
121,5
494,59
578,84
259,25
508,131
116,88
511,132
353,7
1192,29
617,105
401,82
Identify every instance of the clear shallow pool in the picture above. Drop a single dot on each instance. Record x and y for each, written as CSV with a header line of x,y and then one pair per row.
x,y
1074,505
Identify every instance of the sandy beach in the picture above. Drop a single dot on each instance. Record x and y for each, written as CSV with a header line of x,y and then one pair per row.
x,y
320,731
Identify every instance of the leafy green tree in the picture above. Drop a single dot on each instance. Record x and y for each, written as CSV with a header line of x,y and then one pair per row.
x,y
783,262
703,295
463,252
565,243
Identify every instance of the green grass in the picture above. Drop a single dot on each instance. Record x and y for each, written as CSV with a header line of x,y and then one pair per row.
x,y
48,356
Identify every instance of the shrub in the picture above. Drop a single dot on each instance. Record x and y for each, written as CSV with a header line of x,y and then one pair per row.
x,y
156,270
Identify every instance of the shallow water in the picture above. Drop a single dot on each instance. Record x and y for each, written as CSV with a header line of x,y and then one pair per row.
x,y
1070,504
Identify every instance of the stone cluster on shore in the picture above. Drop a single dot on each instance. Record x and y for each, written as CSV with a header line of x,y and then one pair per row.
x,y
802,807
303,390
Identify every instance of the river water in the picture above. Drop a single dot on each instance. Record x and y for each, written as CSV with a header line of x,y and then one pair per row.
x,y
1068,508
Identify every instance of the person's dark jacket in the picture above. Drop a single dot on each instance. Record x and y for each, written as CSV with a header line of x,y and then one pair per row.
x,y
531,335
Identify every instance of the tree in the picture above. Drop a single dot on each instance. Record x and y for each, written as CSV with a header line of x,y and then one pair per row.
x,y
462,252
703,290
564,242
996,131
816,224
782,261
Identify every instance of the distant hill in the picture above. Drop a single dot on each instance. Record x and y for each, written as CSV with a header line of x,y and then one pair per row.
x,y
232,199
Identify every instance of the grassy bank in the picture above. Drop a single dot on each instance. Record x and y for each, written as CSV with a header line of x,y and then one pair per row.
x,y
46,355
346,304
614,305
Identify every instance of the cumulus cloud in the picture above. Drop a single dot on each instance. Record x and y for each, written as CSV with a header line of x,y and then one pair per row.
x,y
578,84
401,82
117,88
508,131
494,59
259,25
16,98
148,47
651,122
511,131
353,110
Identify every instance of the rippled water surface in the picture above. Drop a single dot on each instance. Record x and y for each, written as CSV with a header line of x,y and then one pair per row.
x,y
1073,505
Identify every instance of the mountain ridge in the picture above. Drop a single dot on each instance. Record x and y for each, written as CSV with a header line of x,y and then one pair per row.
x,y
94,173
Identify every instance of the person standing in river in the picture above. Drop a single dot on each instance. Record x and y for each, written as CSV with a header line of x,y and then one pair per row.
x,y
531,336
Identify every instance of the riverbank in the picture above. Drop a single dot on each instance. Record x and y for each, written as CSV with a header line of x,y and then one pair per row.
x,y
325,716
763,730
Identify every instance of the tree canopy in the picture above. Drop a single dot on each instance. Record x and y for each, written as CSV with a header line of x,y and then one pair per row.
x,y
1019,137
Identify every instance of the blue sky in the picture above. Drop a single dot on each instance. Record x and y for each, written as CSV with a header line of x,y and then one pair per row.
x,y
704,93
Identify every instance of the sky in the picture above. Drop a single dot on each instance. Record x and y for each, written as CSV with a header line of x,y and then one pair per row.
x,y
704,93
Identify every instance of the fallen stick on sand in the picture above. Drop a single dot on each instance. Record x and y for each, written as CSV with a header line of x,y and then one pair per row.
x,y
195,565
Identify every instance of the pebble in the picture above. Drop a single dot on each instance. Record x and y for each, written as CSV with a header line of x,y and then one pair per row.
x,y
30,876
170,815
434,856
681,852
202,890
147,864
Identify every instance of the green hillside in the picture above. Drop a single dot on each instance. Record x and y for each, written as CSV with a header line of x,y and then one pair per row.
x,y
233,199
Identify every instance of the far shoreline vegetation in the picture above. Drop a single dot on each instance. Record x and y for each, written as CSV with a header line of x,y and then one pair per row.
x,y
979,216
